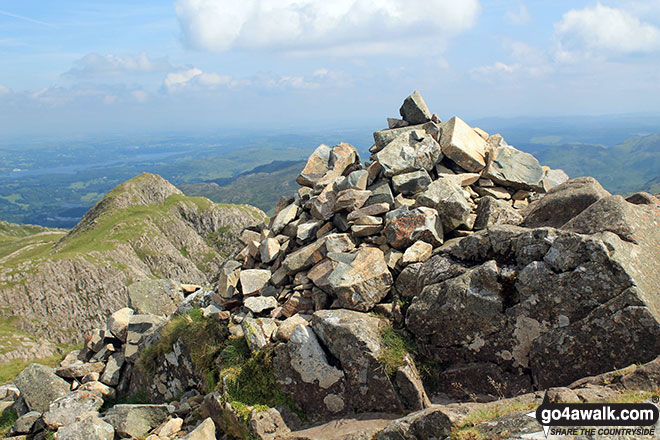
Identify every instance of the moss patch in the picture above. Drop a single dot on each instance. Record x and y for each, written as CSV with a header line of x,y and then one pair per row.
x,y
397,344
204,337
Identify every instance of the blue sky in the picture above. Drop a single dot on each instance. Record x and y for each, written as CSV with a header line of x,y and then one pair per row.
x,y
70,66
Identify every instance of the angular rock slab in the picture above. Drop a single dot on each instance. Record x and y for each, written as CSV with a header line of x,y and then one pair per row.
x,y
39,386
361,279
564,202
406,153
491,211
447,198
429,423
463,145
514,168
155,297
65,410
414,109
88,428
136,420
327,164
404,227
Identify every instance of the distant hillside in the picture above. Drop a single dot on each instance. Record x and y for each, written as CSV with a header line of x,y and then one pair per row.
x,y
260,187
625,168
61,283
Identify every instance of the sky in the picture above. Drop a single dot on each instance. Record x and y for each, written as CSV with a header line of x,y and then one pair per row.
x,y
112,66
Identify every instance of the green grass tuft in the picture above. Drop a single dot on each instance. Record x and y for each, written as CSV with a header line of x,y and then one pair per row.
x,y
397,344
7,420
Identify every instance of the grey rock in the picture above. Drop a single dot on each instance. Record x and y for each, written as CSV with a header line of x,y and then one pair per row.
x,y
269,250
411,183
283,218
355,180
253,280
302,370
553,178
428,424
136,420
410,386
514,168
139,327
155,297
254,335
90,427
327,164
351,199
362,280
65,410
354,339
491,212
414,109
112,372
406,153
564,202
25,423
448,199
39,386
74,371
203,431
257,304
380,193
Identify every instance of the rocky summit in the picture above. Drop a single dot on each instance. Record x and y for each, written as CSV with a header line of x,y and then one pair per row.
x,y
438,290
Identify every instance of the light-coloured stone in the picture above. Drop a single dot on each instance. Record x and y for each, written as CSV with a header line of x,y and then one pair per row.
x,y
253,280
258,304
419,252
463,145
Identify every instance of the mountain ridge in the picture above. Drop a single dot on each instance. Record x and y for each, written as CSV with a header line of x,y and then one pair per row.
x,y
58,283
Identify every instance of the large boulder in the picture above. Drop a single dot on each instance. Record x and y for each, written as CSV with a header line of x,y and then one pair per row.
x,y
303,371
39,386
360,279
155,297
327,164
354,339
563,202
491,211
543,306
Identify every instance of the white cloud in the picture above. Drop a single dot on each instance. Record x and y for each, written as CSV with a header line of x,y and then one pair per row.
x,y
340,27
521,16
528,62
95,65
194,78
602,30
140,95
4,90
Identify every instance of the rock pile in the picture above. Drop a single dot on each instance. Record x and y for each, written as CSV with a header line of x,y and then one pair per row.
x,y
449,247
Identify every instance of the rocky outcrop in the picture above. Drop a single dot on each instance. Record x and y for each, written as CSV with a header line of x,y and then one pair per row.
x,y
143,229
